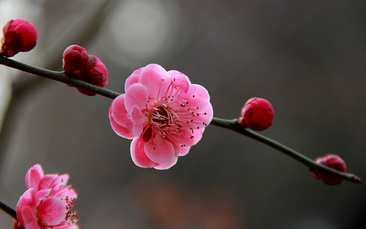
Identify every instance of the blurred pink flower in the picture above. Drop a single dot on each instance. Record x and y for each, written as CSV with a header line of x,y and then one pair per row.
x,y
47,202
163,113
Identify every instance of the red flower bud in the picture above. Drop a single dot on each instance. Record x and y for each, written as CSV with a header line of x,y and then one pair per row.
x,y
79,65
257,114
19,35
17,225
331,161
74,58
96,73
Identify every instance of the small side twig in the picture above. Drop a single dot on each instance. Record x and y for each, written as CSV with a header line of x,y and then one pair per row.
x,y
8,210
312,165
58,76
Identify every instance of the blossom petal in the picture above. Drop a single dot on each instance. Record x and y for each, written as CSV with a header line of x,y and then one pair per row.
x,y
46,181
33,176
200,92
40,195
28,197
63,192
206,115
74,226
133,78
29,217
183,137
189,138
197,135
52,211
179,80
25,200
154,78
198,97
118,110
138,154
169,165
135,121
136,95
159,150
120,130
184,150
60,181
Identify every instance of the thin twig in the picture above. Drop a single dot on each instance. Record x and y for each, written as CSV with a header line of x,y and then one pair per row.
x,y
8,210
58,76
312,165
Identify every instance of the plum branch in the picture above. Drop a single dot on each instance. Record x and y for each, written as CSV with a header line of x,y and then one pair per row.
x,y
224,123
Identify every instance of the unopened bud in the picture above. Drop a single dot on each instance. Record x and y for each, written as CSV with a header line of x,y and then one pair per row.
x,y
256,114
16,225
332,161
19,35
74,58
94,72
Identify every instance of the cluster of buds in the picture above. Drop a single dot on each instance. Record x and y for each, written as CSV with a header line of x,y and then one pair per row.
x,y
19,35
332,161
256,114
88,68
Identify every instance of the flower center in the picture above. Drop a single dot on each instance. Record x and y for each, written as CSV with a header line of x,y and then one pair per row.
x,y
160,115
162,121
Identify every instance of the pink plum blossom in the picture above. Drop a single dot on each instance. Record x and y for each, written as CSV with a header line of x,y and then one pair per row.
x,y
163,113
47,202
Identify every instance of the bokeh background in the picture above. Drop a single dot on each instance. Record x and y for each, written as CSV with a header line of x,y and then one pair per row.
x,y
307,57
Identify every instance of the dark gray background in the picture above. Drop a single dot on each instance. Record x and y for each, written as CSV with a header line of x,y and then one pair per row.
x,y
306,57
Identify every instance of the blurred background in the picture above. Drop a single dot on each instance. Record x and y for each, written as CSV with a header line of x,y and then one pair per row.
x,y
308,58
